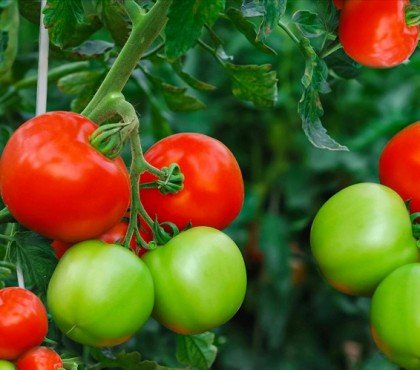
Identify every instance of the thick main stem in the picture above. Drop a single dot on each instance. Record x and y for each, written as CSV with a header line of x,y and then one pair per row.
x,y
146,29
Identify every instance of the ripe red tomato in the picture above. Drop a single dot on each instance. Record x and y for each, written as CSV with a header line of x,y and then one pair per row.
x,y
339,4
114,235
399,165
40,358
375,33
23,322
213,190
55,183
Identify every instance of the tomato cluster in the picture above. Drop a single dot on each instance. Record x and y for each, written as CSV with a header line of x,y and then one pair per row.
x,y
23,327
375,32
362,239
101,293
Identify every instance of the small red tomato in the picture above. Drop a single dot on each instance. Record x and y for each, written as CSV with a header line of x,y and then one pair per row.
x,y
213,192
375,32
23,322
399,165
40,358
56,184
114,235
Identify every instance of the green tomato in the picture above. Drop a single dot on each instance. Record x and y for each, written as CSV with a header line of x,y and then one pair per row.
x,y
361,235
395,316
6,365
200,280
100,294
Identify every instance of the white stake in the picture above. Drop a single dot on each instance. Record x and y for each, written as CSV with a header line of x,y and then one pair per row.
x,y
41,93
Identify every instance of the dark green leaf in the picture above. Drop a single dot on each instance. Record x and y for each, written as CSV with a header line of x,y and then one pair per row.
x,y
196,350
91,49
115,19
342,65
257,84
9,27
309,23
36,257
67,23
186,19
310,108
273,11
179,101
84,84
191,80
30,10
248,29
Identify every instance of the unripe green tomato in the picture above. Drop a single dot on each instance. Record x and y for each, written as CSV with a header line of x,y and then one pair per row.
x,y
200,280
395,316
360,235
6,365
100,294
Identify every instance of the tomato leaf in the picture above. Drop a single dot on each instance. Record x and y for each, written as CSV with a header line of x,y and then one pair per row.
x,y
90,49
186,19
67,23
191,80
309,23
115,19
9,27
310,108
36,257
257,84
247,28
273,11
342,65
196,350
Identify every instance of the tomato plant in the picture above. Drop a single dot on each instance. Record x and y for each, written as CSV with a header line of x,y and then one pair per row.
x,y
213,192
50,175
6,365
23,322
360,235
375,33
399,165
100,294
115,235
40,358
199,278
394,316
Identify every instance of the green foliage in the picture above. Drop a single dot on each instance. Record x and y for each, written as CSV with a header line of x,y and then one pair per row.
x,y
196,351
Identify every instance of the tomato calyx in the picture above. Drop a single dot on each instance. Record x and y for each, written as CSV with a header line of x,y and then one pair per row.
x,y
109,138
171,180
412,15
416,226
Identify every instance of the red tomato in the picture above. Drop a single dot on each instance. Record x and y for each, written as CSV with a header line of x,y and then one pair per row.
x,y
114,235
213,190
55,183
23,322
40,358
375,33
399,165
339,4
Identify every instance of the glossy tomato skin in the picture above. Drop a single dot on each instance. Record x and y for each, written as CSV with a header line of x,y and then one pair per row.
x,y
6,365
213,191
23,322
200,280
100,294
115,235
360,235
55,183
399,165
375,33
394,316
40,358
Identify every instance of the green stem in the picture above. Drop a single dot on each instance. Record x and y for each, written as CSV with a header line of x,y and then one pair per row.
x,y
6,216
412,15
286,29
332,49
146,28
211,51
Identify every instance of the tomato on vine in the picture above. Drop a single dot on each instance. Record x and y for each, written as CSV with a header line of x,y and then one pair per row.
x,y
394,316
100,294
55,183
199,278
213,192
399,166
360,235
23,322
40,358
375,32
